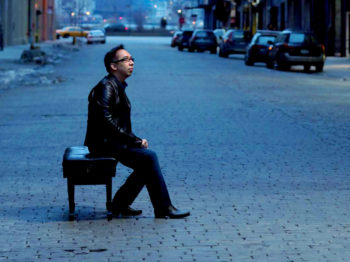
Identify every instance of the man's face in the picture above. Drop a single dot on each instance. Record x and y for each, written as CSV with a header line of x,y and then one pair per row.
x,y
124,63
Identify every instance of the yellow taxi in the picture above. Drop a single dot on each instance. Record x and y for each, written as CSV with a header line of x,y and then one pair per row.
x,y
71,31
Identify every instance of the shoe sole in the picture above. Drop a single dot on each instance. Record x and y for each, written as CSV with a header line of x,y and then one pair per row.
x,y
172,217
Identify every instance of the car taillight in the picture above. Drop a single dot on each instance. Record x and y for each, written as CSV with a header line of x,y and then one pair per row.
x,y
256,46
126,29
288,48
323,48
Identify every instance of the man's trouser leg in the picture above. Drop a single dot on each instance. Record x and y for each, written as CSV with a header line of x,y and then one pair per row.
x,y
146,172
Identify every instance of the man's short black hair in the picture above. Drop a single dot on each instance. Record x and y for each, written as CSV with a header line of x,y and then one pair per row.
x,y
110,56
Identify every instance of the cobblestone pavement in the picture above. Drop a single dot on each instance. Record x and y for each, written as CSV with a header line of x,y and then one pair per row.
x,y
259,156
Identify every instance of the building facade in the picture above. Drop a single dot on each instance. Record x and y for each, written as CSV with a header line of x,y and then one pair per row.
x,y
26,21
44,23
14,22
328,19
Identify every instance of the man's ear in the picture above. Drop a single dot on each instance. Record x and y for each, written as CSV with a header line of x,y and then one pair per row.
x,y
114,66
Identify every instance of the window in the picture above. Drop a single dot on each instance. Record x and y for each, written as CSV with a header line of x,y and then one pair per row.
x,y
281,38
296,38
201,34
238,34
265,38
228,34
255,38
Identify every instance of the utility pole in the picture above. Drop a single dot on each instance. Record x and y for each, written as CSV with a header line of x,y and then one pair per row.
x,y
30,33
1,27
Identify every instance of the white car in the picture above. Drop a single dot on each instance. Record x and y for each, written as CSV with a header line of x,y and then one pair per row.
x,y
219,33
96,36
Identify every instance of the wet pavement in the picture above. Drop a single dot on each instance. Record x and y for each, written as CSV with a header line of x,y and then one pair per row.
x,y
259,156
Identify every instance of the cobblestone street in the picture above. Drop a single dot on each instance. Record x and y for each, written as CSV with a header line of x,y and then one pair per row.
x,y
260,157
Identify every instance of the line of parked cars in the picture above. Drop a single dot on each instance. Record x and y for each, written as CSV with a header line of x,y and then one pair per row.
x,y
199,40
274,48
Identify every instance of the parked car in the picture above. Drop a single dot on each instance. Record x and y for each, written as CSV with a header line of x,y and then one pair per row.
x,y
117,27
296,48
90,27
257,49
219,33
234,42
202,40
175,39
96,36
184,39
71,31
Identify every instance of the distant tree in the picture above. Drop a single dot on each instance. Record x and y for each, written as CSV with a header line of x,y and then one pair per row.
x,y
139,18
75,7
163,22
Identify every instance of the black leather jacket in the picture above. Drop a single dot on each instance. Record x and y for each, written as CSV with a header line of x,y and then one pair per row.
x,y
109,124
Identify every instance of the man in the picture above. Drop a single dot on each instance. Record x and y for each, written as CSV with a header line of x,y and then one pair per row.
x,y
109,133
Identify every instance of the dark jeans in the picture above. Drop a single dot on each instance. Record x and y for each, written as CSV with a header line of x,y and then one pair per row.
x,y
147,172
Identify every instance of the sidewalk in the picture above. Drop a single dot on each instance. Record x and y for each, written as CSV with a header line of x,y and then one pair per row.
x,y
13,71
14,52
338,67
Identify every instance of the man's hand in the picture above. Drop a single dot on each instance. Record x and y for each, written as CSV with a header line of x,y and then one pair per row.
x,y
144,143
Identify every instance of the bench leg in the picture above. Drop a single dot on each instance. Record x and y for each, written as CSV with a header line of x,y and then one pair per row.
x,y
70,186
109,198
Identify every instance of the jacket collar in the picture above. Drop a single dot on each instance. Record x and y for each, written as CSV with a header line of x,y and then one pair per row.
x,y
122,85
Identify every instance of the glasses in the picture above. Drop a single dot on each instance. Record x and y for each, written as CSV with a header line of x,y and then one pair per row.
x,y
125,59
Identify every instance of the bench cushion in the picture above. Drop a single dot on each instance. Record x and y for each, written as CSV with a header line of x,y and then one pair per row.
x,y
77,161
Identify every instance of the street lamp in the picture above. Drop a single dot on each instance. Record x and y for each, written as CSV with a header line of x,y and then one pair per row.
x,y
73,18
254,2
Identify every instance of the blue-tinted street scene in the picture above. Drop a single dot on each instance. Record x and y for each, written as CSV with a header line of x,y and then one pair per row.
x,y
246,104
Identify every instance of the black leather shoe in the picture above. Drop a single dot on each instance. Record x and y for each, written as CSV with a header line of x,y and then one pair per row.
x,y
127,212
171,212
